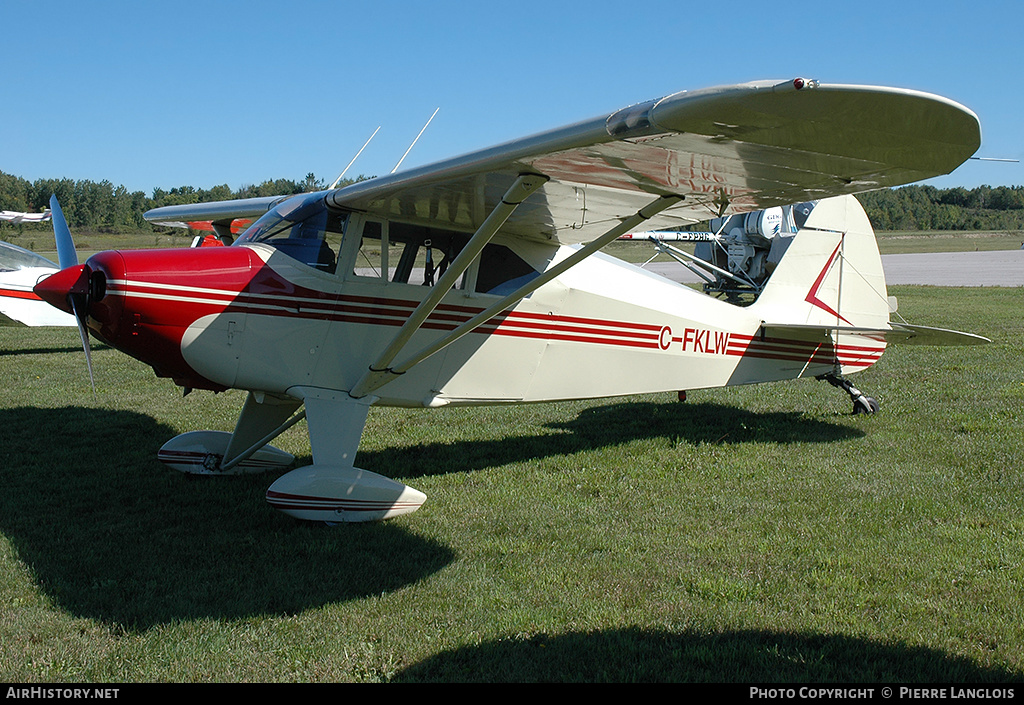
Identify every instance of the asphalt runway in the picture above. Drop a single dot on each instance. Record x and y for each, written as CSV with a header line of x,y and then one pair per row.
x,y
998,268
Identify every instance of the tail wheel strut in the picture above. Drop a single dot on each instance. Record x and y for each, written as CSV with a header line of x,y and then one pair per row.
x,y
862,404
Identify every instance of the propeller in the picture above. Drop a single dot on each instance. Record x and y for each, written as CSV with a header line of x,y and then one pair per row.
x,y
66,254
72,281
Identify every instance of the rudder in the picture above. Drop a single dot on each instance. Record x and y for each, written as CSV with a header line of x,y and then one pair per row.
x,y
831,274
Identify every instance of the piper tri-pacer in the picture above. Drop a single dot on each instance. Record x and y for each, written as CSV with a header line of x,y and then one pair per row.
x,y
478,280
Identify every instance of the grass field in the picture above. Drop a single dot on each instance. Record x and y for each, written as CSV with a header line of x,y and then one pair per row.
x,y
896,242
759,534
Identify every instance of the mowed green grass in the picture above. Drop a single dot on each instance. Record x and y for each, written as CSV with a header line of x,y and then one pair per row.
x,y
758,534
900,242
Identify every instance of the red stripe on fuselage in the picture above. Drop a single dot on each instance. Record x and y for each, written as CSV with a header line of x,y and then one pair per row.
x,y
19,294
805,351
268,293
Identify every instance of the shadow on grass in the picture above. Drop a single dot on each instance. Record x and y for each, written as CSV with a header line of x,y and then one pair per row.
x,y
49,351
702,423
640,656
606,426
109,534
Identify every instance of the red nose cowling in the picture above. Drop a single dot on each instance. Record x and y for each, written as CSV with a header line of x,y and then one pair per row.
x,y
138,302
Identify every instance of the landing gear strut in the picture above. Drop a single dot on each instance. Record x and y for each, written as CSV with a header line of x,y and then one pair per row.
x,y
861,404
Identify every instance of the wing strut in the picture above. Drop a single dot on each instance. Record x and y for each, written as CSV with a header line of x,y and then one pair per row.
x,y
376,378
379,372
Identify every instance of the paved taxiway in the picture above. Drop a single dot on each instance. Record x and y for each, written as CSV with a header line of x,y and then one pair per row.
x,y
999,268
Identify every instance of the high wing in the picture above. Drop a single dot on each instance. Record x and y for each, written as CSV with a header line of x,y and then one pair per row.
x,y
221,215
718,151
724,150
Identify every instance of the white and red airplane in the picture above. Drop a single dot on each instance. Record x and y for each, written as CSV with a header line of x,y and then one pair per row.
x,y
20,270
19,217
478,280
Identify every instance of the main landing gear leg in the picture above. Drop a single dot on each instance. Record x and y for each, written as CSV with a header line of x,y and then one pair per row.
x,y
861,404
332,489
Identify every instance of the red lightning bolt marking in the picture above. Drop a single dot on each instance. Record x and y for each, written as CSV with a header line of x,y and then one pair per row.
x,y
812,295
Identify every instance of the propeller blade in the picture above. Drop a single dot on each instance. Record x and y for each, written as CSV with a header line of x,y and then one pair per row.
x,y
70,285
77,305
66,254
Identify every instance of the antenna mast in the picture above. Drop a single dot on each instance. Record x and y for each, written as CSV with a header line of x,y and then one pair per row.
x,y
342,174
413,143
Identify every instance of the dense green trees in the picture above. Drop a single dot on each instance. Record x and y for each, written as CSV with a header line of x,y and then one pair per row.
x,y
929,208
104,207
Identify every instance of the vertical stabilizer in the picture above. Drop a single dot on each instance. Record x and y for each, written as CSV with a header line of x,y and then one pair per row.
x,y
831,274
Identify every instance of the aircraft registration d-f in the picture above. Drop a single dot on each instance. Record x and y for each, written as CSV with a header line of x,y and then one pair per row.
x,y
478,280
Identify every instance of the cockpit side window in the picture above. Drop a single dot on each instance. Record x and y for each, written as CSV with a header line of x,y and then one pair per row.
x,y
502,271
420,255
13,257
302,228
372,258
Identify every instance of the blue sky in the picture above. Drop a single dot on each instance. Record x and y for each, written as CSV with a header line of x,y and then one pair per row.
x,y
205,93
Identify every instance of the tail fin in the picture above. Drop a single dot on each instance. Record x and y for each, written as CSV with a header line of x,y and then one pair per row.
x,y
830,282
831,274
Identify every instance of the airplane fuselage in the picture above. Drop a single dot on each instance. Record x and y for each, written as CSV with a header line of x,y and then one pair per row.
x,y
249,317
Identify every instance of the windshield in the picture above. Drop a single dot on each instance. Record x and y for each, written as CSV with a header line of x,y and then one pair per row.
x,y
13,257
303,228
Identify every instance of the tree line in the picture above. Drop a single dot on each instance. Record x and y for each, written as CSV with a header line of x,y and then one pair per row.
x,y
931,208
103,207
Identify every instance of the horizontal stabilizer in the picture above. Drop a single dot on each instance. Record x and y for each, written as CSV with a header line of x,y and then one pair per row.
x,y
924,335
897,334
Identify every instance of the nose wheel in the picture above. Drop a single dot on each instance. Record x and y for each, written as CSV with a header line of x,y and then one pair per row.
x,y
862,404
